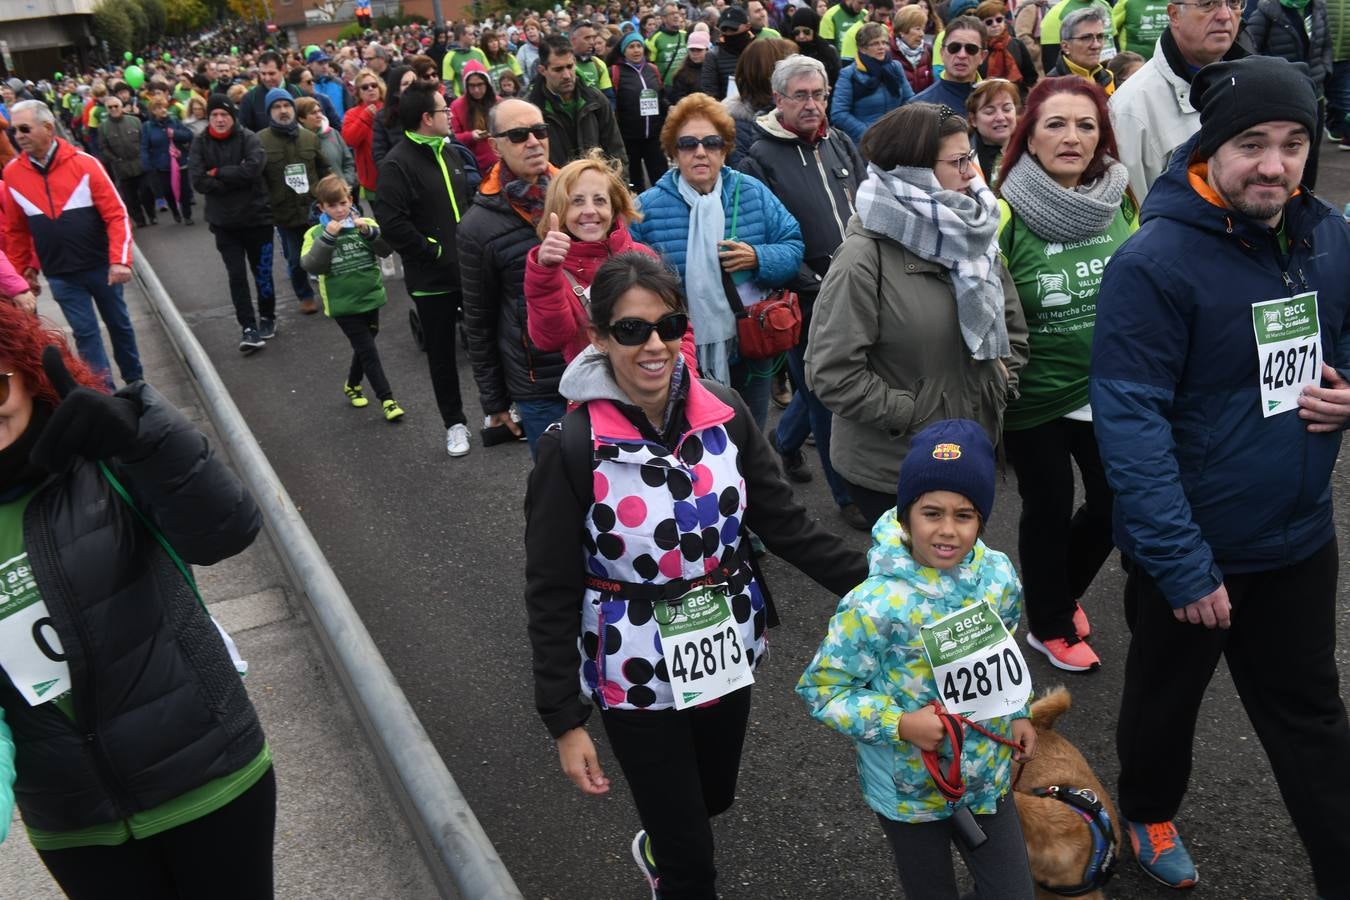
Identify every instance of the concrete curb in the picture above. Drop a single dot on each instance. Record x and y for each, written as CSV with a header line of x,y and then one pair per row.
x,y
456,848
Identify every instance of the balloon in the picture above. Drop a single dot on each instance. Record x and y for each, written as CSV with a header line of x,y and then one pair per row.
x,y
167,56
127,54
58,76
134,76
234,51
140,61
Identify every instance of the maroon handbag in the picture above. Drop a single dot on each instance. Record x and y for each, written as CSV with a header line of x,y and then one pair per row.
x,y
769,327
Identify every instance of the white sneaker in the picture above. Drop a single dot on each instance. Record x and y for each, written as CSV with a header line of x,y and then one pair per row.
x,y
457,440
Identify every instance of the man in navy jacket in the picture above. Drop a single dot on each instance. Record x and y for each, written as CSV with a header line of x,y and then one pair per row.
x,y
1218,392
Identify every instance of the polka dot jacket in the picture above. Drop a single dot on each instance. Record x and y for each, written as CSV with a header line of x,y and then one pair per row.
x,y
656,514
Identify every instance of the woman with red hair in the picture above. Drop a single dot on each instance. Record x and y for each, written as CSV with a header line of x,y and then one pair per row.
x,y
1065,207
135,751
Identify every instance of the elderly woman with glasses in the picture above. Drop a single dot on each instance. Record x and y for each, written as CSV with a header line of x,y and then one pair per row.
x,y
724,232
873,85
1084,34
637,519
358,129
917,319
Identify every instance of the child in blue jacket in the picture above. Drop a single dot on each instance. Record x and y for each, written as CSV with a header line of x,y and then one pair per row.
x,y
933,622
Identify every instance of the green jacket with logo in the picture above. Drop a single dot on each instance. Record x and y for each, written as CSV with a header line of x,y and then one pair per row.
x,y
291,208
348,269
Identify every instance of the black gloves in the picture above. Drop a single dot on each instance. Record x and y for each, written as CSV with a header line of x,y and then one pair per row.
x,y
85,424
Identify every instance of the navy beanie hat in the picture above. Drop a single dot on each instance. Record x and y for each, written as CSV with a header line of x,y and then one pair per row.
x,y
952,455
278,94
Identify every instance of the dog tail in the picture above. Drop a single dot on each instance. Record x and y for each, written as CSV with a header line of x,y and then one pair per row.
x,y
1049,707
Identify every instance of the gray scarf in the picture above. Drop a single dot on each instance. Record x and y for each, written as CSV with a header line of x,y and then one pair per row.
x,y
953,229
714,322
1057,213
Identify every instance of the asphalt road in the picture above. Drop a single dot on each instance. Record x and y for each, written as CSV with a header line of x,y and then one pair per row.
x,y
430,550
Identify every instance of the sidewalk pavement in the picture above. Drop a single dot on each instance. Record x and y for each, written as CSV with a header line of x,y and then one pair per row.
x,y
339,832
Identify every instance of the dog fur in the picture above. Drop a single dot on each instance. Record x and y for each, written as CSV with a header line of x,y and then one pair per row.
x,y
1059,845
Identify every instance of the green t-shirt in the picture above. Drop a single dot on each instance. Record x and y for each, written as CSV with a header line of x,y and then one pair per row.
x,y
497,70
1139,23
22,601
594,73
836,23
353,283
1057,283
452,67
667,52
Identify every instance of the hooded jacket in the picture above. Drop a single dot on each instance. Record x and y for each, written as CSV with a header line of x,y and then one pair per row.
x,y
358,131
159,708
817,48
865,92
816,182
1204,483
461,120
711,441
494,241
871,668
886,356
424,193
570,136
228,173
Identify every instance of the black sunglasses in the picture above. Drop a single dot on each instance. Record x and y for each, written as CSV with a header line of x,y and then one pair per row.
x,y
968,49
688,144
522,134
635,332
24,129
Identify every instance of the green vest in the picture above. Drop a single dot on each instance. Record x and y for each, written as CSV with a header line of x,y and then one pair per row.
x,y
352,284
1057,283
667,52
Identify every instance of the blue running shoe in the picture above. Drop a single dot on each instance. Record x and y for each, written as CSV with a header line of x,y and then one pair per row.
x,y
1160,853
642,855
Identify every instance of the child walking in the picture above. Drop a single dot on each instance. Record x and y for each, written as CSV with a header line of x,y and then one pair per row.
x,y
925,637
342,251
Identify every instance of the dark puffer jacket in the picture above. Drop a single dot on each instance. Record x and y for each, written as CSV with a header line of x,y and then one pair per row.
x,y
159,708
494,241
228,173
1276,30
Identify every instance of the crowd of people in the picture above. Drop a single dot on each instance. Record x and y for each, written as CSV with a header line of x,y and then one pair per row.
x,y
1078,236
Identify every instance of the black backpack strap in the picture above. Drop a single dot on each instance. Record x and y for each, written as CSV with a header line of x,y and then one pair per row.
x,y
577,454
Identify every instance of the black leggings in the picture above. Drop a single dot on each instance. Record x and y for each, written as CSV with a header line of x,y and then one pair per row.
x,y
226,855
681,766
245,250
360,330
869,502
923,857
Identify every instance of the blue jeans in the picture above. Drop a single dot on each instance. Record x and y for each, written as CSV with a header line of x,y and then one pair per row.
x,y
753,380
291,239
77,293
537,415
804,415
1338,96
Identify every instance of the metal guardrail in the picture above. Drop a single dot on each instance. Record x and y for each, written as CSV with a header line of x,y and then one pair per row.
x,y
457,850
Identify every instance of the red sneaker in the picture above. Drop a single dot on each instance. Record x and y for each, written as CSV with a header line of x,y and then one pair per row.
x,y
1075,656
1080,623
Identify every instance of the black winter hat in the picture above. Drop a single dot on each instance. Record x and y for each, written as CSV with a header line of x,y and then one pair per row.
x,y
952,455
1234,95
220,101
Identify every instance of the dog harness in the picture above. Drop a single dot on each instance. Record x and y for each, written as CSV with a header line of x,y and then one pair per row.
x,y
1102,863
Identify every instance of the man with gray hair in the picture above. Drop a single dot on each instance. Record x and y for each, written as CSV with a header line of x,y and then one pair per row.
x,y
63,216
815,170
1083,35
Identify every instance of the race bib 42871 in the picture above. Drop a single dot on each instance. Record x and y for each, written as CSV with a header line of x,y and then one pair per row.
x,y
1288,350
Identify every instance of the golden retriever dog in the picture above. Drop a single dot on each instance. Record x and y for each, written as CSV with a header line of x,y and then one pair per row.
x,y
1059,839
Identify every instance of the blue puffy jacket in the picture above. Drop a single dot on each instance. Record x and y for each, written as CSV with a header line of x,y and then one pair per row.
x,y
761,221
863,95
1204,484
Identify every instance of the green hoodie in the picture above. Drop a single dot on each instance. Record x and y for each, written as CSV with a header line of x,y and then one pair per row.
x,y
349,273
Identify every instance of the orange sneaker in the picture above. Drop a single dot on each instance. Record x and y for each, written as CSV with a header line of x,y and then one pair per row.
x,y
1071,656
1080,623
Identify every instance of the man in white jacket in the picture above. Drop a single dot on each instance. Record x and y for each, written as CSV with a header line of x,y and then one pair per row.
x,y
1152,111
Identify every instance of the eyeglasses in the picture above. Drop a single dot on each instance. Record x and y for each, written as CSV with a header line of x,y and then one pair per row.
x,y
814,96
306,80
445,109
994,20
4,385
1209,6
369,86
25,129
636,332
962,163
967,49
522,134
689,144
1098,38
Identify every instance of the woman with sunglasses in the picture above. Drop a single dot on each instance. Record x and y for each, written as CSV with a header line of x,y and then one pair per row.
x,y
722,230
1065,208
358,126
640,591
586,214
1008,57
138,753
806,33
917,319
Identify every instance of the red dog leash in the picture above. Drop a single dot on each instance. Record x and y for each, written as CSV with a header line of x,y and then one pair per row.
x,y
950,784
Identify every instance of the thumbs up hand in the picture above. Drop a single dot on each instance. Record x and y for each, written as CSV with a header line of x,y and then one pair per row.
x,y
86,423
556,244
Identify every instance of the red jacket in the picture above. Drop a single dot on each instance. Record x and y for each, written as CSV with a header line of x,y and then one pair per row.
x,y
357,131
555,317
68,218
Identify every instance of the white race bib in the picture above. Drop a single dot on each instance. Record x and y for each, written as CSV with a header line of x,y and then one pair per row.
x,y
1288,350
649,104
701,643
30,652
978,667
296,177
